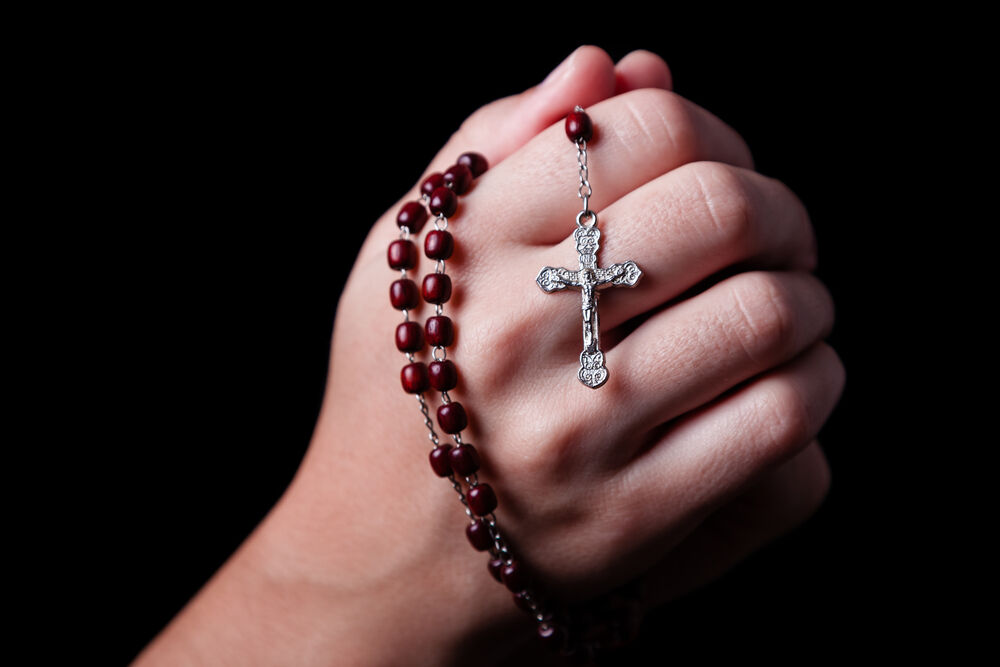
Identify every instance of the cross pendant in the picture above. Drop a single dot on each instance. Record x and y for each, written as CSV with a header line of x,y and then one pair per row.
x,y
589,279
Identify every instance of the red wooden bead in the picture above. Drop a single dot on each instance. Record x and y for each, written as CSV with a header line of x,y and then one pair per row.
x,y
443,374
464,460
402,254
452,417
436,288
403,294
458,177
414,378
578,126
444,202
475,162
439,244
440,331
432,183
479,536
495,566
482,500
412,215
410,337
514,576
440,461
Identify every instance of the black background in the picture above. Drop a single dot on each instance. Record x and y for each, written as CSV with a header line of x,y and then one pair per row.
x,y
241,165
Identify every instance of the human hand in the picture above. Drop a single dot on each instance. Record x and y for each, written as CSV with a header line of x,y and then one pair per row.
x,y
715,385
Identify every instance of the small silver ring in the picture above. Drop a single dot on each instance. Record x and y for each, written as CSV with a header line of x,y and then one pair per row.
x,y
586,212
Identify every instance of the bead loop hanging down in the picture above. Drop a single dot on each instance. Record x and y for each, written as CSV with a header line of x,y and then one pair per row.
x,y
459,463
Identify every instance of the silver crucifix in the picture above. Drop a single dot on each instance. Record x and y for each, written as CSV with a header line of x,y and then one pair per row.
x,y
589,279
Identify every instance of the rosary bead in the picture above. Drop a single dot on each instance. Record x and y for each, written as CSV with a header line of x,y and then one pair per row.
x,y
444,202
403,294
459,178
495,566
479,536
436,288
578,126
514,576
475,162
402,254
443,374
439,460
452,417
410,337
414,378
482,500
440,331
464,460
412,215
439,244
432,183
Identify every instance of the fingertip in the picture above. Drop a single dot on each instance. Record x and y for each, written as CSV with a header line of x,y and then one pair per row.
x,y
586,77
642,69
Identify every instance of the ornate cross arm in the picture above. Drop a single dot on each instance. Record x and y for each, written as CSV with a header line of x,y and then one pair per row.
x,y
626,273
554,279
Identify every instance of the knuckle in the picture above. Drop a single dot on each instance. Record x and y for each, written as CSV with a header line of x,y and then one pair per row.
x,y
788,423
727,200
661,117
765,322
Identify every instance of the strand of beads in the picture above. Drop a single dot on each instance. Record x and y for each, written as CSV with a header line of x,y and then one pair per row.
x,y
460,462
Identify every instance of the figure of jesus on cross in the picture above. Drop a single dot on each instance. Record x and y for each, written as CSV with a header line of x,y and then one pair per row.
x,y
589,279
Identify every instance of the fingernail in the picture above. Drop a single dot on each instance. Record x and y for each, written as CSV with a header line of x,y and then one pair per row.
x,y
560,71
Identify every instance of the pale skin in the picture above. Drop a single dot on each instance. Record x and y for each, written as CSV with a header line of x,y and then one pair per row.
x,y
698,450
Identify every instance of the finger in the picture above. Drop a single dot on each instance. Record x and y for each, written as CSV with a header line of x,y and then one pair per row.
x,y
638,136
503,126
642,69
776,504
682,228
705,459
688,354
498,129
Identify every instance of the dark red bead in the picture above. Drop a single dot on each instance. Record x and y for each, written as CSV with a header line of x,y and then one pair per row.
x,y
402,254
410,337
578,126
403,294
440,461
475,162
440,331
482,500
414,378
495,566
443,374
464,460
514,576
479,536
452,417
412,215
436,288
432,183
444,202
458,177
439,244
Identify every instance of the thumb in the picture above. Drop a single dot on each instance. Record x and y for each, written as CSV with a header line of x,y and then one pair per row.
x,y
499,128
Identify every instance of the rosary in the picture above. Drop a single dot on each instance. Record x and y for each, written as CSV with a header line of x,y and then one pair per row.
x,y
585,630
